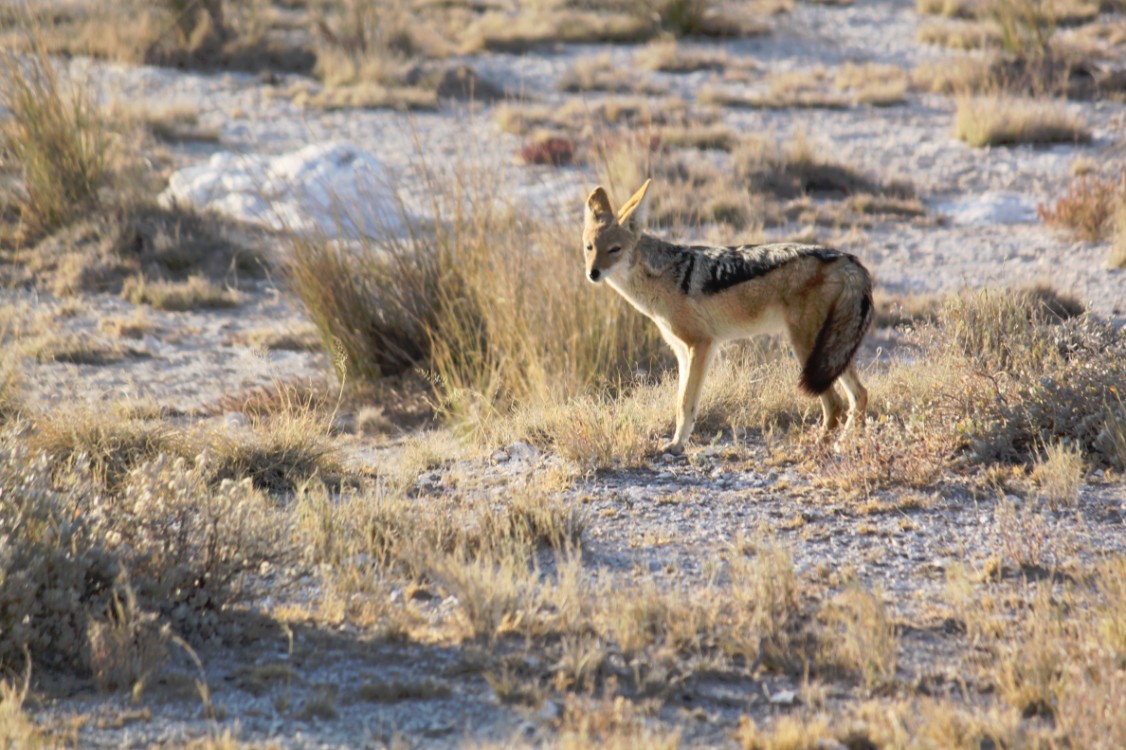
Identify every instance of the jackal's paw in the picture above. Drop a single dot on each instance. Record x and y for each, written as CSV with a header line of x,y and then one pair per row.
x,y
672,447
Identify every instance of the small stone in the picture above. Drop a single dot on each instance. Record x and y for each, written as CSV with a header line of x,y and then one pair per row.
x,y
784,698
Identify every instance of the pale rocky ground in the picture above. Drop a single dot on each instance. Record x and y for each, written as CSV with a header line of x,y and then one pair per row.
x,y
665,519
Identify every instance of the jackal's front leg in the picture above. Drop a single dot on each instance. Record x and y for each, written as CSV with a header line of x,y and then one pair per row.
x,y
693,361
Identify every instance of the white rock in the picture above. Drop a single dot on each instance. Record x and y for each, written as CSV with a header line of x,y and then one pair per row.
x,y
329,189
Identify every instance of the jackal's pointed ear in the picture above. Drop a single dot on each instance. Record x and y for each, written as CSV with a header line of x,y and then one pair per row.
x,y
598,204
632,213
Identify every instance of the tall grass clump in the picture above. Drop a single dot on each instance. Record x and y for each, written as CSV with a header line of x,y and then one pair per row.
x,y
56,140
487,301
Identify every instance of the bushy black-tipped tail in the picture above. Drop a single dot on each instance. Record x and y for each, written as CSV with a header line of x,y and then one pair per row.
x,y
842,331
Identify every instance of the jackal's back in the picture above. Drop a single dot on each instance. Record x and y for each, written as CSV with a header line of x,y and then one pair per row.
x,y
706,271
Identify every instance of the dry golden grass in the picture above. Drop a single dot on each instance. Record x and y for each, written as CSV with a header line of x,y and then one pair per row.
x,y
713,137
667,56
877,85
787,733
960,35
56,139
1003,120
799,167
300,338
17,730
368,96
962,75
861,637
1117,257
949,8
803,89
598,73
501,32
431,294
1059,474
195,293
167,121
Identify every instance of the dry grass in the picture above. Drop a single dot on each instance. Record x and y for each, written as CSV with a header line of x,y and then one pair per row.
x,y
1059,474
861,637
877,85
598,73
713,137
1093,209
960,35
707,18
169,33
56,139
802,89
16,728
799,168
166,121
961,75
667,56
500,32
368,96
84,547
948,8
195,293
1088,207
426,300
1002,121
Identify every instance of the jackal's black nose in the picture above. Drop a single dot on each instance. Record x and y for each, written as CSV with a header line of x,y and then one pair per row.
x,y
595,274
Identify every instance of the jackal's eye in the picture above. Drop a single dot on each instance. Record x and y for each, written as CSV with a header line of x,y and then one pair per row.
x,y
615,250
590,248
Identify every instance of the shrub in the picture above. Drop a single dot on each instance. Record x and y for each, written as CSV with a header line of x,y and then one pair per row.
x,y
54,568
88,577
555,151
1088,207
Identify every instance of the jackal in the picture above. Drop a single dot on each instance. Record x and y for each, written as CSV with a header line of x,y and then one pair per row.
x,y
702,296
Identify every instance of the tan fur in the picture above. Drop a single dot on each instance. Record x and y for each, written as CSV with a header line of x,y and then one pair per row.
x,y
702,297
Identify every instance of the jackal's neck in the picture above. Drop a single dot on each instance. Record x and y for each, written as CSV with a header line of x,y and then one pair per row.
x,y
654,256
651,258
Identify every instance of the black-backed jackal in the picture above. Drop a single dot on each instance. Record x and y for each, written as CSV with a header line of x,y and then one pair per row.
x,y
702,296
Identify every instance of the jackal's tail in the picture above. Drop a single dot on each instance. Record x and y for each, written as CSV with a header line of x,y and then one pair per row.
x,y
842,331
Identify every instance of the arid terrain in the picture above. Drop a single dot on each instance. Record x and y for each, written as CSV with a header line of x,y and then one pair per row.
x,y
313,434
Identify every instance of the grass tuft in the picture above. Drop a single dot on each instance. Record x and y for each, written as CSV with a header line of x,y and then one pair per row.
x,y
1005,121
55,138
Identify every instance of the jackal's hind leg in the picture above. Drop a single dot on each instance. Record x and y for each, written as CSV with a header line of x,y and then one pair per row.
x,y
831,410
857,399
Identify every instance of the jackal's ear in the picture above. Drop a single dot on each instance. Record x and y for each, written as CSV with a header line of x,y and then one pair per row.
x,y
598,204
632,213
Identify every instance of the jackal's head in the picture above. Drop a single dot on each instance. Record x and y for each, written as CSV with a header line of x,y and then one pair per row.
x,y
609,239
